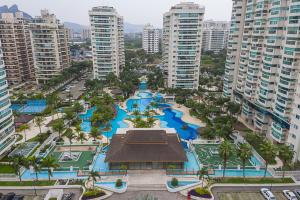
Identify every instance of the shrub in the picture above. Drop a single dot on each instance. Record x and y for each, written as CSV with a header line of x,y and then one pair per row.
x,y
174,182
119,183
93,193
201,192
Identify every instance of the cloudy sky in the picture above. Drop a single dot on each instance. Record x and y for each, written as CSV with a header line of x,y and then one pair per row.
x,y
133,11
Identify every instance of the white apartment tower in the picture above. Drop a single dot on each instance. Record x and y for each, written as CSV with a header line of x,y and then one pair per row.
x,y
215,35
182,38
151,39
107,39
7,128
50,44
263,65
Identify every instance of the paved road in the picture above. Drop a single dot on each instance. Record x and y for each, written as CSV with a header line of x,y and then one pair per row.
x,y
30,194
277,190
160,195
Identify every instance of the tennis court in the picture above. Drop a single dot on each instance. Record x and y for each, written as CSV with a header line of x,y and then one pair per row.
x,y
209,155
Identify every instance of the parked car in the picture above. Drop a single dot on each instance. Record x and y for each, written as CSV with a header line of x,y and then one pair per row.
x,y
18,197
289,195
267,194
8,196
297,193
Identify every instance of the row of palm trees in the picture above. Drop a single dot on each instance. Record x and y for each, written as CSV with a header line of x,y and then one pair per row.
x,y
33,162
268,150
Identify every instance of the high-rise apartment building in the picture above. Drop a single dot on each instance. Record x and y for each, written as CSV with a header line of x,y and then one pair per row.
x,y
262,67
182,38
215,35
16,47
50,44
107,39
86,34
151,39
7,128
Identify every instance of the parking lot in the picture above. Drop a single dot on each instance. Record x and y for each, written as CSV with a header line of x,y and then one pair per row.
x,y
75,89
247,196
248,192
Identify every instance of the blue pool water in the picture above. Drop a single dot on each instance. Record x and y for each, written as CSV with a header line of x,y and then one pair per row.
x,y
172,119
142,104
145,95
191,164
55,175
239,173
111,185
143,85
100,165
182,183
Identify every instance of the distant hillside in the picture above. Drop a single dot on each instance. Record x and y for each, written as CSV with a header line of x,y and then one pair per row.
x,y
133,28
13,9
75,27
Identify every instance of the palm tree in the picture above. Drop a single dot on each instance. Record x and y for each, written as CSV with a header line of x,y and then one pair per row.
x,y
202,173
136,113
69,116
94,133
17,163
93,175
147,113
70,135
33,162
268,152
39,122
244,153
59,126
135,106
225,151
286,156
23,128
49,163
81,137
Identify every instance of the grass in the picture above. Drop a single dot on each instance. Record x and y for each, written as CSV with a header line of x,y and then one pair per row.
x,y
26,183
6,169
254,180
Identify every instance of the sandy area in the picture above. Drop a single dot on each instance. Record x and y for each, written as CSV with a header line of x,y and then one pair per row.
x,y
186,115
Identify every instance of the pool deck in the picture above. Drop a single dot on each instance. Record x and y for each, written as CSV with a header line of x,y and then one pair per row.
x,y
186,115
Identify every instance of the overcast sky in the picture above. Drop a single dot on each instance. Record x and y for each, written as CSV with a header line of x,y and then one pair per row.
x,y
133,11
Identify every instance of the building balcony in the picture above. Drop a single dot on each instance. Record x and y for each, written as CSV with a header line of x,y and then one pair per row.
x,y
7,144
277,133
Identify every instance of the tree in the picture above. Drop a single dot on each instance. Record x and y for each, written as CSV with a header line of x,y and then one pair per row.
x,y
202,173
268,152
81,137
93,176
94,133
39,122
69,115
70,135
59,126
33,162
17,163
244,153
225,151
49,163
23,128
286,156
77,107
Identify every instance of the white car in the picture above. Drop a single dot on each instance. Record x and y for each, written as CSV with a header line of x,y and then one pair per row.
x,y
267,194
289,195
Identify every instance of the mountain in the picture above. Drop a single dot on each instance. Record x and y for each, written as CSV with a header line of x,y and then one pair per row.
x,y
13,9
133,28
75,27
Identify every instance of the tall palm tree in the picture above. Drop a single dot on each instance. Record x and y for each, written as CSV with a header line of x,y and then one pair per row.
x,y
147,114
286,156
39,122
23,128
70,135
59,126
244,153
135,106
202,173
268,152
81,137
93,176
136,113
225,151
49,163
17,163
94,133
34,163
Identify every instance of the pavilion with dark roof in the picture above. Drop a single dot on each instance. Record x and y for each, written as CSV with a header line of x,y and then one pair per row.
x,y
145,149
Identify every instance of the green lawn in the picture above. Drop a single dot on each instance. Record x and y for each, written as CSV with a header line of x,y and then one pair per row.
x,y
26,183
208,155
6,169
255,180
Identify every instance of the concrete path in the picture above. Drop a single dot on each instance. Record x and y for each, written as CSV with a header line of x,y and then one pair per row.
x,y
160,195
146,177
